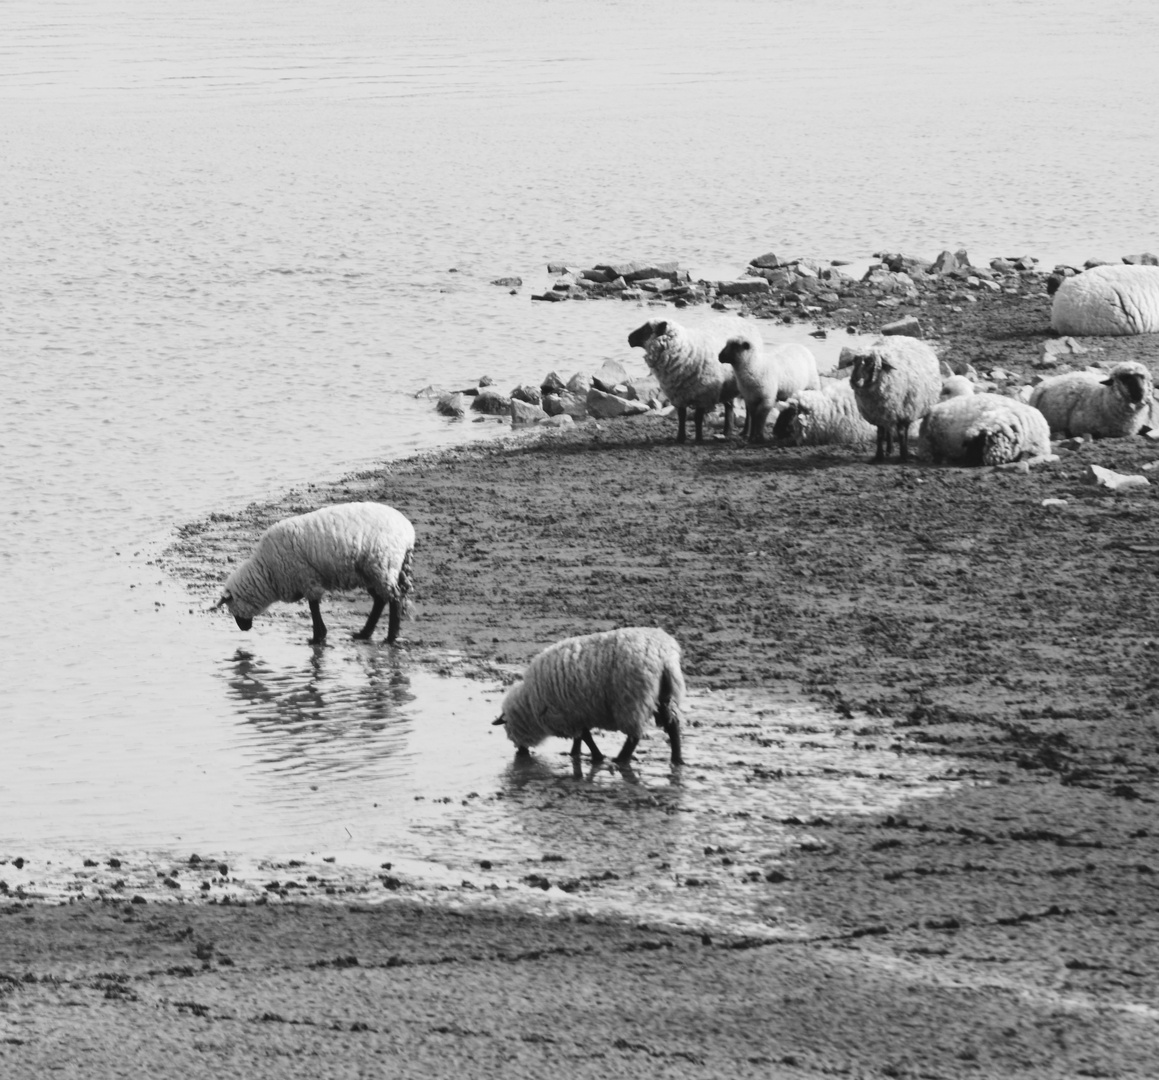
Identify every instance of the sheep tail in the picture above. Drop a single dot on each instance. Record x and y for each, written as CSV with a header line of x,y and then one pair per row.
x,y
668,715
406,582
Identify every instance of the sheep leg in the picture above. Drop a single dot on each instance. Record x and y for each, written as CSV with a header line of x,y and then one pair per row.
x,y
394,621
681,418
903,440
372,618
884,444
319,625
698,420
674,742
757,430
728,411
625,755
586,737
666,721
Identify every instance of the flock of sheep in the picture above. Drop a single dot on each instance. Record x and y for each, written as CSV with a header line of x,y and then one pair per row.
x,y
620,680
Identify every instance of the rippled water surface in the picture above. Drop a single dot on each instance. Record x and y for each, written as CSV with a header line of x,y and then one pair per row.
x,y
239,237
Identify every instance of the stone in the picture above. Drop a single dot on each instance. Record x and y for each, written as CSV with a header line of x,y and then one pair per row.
x,y
428,392
601,274
486,381
579,383
1096,474
1000,374
611,373
558,268
552,383
1146,259
523,412
950,262
1022,467
533,395
559,420
1003,266
1054,502
608,406
1072,444
508,282
639,271
491,402
1025,262
552,297
452,405
768,261
573,405
909,326
742,287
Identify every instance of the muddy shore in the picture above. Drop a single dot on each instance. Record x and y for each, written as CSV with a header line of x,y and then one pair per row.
x,y
1009,929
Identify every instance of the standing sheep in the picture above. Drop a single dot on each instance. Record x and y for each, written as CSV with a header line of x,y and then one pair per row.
x,y
764,376
1111,406
345,546
985,429
683,359
896,382
616,680
1108,300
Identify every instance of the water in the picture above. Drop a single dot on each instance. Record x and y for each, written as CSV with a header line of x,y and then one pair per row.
x,y
237,241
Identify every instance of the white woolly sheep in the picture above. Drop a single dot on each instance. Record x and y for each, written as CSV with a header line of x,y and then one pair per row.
x,y
896,381
616,680
683,359
823,417
1110,405
764,376
1108,300
345,546
985,429
956,386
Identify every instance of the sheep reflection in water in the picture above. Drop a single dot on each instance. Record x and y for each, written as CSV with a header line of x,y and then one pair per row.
x,y
334,711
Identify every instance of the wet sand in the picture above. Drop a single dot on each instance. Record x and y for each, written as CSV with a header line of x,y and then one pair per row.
x,y
1009,927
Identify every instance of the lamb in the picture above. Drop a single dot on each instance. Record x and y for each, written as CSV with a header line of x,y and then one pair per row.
x,y
896,381
615,680
825,416
764,376
1108,299
345,546
683,359
985,429
1111,405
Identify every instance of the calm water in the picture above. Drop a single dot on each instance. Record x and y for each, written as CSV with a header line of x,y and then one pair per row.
x,y
229,236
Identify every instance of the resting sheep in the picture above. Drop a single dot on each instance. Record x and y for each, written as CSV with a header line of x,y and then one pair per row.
x,y
764,376
896,381
683,359
616,680
1108,299
985,429
1110,405
823,417
345,546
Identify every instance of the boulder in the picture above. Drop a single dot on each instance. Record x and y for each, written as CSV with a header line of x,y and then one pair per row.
x,y
742,286
579,383
1146,259
523,412
639,271
533,395
611,373
509,282
608,406
491,402
452,405
1096,474
559,420
768,261
908,327
552,384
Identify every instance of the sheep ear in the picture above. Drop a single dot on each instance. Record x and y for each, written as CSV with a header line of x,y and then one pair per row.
x,y
886,365
502,720
1108,381
226,597
661,327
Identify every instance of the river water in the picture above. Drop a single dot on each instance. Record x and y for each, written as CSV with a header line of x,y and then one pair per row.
x,y
238,238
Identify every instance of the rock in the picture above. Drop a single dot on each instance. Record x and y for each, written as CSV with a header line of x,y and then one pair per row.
x,y
558,268
452,405
552,383
1096,474
768,261
523,412
949,262
491,402
551,297
509,282
1000,374
486,381
637,271
597,274
559,420
607,406
778,279
742,286
1003,266
909,326
1146,259
1064,346
612,373
1054,502
1025,262
579,383
1022,467
1071,444
572,405
429,392
533,395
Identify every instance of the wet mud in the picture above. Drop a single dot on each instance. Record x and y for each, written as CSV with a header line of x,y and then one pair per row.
x,y
976,896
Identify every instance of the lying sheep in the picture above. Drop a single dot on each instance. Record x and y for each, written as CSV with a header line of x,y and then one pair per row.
x,y
764,376
683,359
823,417
1111,405
896,381
985,429
1108,299
346,546
616,680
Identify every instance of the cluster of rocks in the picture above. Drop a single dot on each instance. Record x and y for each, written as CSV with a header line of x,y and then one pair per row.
x,y
607,394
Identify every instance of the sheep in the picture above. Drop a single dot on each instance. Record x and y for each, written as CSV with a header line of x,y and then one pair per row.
x,y
683,359
985,429
896,381
345,546
1108,299
824,416
764,376
956,386
615,680
1109,405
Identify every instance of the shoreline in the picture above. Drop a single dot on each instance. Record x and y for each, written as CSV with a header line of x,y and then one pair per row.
x,y
1006,928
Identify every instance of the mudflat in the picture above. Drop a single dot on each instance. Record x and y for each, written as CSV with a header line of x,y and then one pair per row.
x,y
998,625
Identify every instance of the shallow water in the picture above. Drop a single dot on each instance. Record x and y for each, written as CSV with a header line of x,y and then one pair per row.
x,y
239,239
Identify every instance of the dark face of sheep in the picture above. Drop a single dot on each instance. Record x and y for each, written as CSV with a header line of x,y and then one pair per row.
x,y
783,428
868,369
735,350
640,337
1131,385
500,722
227,602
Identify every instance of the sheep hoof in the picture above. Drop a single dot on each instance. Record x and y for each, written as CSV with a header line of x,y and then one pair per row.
x,y
523,752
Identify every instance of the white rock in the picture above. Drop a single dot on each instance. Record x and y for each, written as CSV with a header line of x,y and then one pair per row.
x,y
1107,478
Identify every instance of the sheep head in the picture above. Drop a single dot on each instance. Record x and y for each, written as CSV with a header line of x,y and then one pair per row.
x,y
737,350
1131,381
956,386
868,368
640,337
227,600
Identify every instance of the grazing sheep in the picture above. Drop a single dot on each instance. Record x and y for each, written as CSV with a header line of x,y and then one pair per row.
x,y
823,417
985,429
683,359
896,381
1108,299
346,546
764,376
1110,405
615,680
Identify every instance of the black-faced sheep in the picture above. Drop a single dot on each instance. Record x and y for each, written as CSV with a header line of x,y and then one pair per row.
x,y
985,429
895,381
617,680
345,546
1110,404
